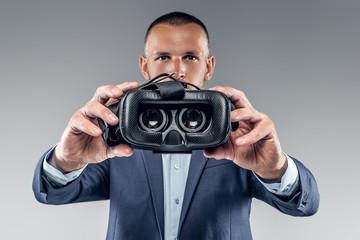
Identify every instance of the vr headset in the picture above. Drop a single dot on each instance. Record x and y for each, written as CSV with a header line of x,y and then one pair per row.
x,y
166,118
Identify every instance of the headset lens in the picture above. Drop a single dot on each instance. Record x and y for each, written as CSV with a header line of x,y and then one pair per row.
x,y
191,119
153,119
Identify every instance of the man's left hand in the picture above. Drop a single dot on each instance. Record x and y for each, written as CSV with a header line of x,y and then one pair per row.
x,y
255,145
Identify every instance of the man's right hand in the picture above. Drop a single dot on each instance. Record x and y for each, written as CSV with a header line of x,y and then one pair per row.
x,y
81,142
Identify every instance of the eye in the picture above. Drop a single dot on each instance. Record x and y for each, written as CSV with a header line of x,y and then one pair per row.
x,y
190,57
163,58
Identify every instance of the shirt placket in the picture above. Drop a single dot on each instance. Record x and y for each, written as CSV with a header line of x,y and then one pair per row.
x,y
177,176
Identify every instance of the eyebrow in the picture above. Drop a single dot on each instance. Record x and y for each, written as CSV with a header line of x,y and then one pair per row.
x,y
194,52
161,53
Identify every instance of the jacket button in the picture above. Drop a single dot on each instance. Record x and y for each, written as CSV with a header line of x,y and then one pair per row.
x,y
303,203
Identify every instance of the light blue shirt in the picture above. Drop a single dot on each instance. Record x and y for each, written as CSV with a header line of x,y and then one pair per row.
x,y
175,172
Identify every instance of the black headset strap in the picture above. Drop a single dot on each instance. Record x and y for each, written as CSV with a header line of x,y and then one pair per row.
x,y
153,82
158,78
170,89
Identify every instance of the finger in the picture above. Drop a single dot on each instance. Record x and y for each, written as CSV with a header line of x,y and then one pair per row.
x,y
263,130
104,93
94,109
111,101
127,86
237,97
220,152
80,124
121,150
215,152
246,114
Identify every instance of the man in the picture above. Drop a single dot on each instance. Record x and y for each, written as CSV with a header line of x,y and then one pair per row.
x,y
173,196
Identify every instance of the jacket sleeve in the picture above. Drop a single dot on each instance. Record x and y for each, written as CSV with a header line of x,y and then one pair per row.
x,y
304,202
91,185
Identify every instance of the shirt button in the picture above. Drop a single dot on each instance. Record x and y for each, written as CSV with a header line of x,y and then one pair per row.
x,y
177,201
177,166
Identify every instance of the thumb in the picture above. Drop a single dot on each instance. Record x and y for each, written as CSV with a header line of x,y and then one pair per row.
x,y
121,150
215,152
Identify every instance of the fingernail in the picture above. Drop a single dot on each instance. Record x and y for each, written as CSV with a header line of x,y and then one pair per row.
x,y
114,151
234,115
133,84
96,130
112,117
240,140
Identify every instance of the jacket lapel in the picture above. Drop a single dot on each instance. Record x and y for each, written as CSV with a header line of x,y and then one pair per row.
x,y
154,170
197,164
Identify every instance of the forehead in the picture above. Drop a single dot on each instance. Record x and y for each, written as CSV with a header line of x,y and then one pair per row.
x,y
165,37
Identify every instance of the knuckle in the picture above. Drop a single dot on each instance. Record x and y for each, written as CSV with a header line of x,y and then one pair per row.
x,y
74,117
267,120
81,125
88,106
77,121
109,88
218,88
104,112
122,85
252,110
78,114
91,108
242,95
271,124
99,90
263,116
103,89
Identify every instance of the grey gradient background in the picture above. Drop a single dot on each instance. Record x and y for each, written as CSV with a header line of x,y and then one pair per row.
x,y
297,61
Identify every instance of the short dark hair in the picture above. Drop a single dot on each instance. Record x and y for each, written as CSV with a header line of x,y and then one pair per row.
x,y
177,19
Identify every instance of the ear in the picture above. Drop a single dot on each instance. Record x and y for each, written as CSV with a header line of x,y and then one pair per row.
x,y
144,67
210,66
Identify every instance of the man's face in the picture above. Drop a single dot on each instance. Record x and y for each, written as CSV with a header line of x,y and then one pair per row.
x,y
182,50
